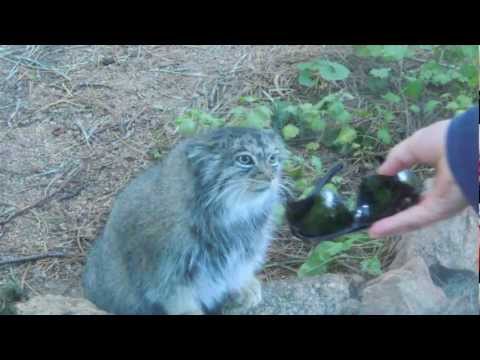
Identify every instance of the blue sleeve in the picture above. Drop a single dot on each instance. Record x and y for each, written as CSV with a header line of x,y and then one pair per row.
x,y
462,153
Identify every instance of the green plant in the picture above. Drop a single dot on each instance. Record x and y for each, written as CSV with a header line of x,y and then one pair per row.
x,y
258,116
311,72
194,120
327,252
355,113
371,266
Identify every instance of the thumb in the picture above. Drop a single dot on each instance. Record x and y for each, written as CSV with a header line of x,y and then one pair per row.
x,y
408,220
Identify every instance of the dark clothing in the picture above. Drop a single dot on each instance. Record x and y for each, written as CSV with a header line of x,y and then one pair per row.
x,y
462,154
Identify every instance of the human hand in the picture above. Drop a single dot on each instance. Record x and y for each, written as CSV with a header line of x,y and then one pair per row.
x,y
427,146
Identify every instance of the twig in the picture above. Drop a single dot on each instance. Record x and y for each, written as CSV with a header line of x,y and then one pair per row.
x,y
144,154
36,65
23,259
277,86
39,203
283,263
180,73
86,134
61,101
12,116
91,85
235,67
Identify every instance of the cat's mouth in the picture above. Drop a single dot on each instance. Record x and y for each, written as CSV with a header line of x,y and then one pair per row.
x,y
260,187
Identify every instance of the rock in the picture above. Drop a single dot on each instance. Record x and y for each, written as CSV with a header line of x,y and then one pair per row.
x,y
462,306
329,294
461,288
452,243
408,290
57,305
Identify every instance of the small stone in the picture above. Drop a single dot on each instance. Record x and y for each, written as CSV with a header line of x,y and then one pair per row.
x,y
57,305
108,61
452,243
327,294
408,290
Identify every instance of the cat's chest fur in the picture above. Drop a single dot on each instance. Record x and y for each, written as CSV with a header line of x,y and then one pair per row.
x,y
233,248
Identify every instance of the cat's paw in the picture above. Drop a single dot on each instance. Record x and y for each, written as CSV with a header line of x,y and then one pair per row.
x,y
250,295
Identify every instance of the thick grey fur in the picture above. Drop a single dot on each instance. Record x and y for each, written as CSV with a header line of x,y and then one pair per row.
x,y
192,230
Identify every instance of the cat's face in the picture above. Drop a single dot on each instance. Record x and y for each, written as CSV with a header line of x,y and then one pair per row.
x,y
238,162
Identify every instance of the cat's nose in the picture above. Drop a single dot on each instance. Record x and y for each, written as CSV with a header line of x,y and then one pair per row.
x,y
265,174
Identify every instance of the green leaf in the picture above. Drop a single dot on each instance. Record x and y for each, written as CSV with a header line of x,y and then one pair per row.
x,y
316,163
312,146
332,71
238,112
452,105
372,266
324,253
326,100
290,131
317,124
470,72
347,136
344,117
253,120
368,50
384,136
306,108
392,98
305,79
294,171
381,73
307,192
431,105
301,184
186,126
395,52
415,109
291,109
442,78
327,249
388,116
258,118
375,50
208,120
471,52
304,66
336,108
464,101
414,89
377,85
311,269
265,111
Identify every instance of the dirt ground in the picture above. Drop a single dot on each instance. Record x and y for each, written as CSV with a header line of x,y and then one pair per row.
x,y
77,122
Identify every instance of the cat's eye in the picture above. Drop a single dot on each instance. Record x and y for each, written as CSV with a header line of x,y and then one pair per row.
x,y
273,159
245,160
